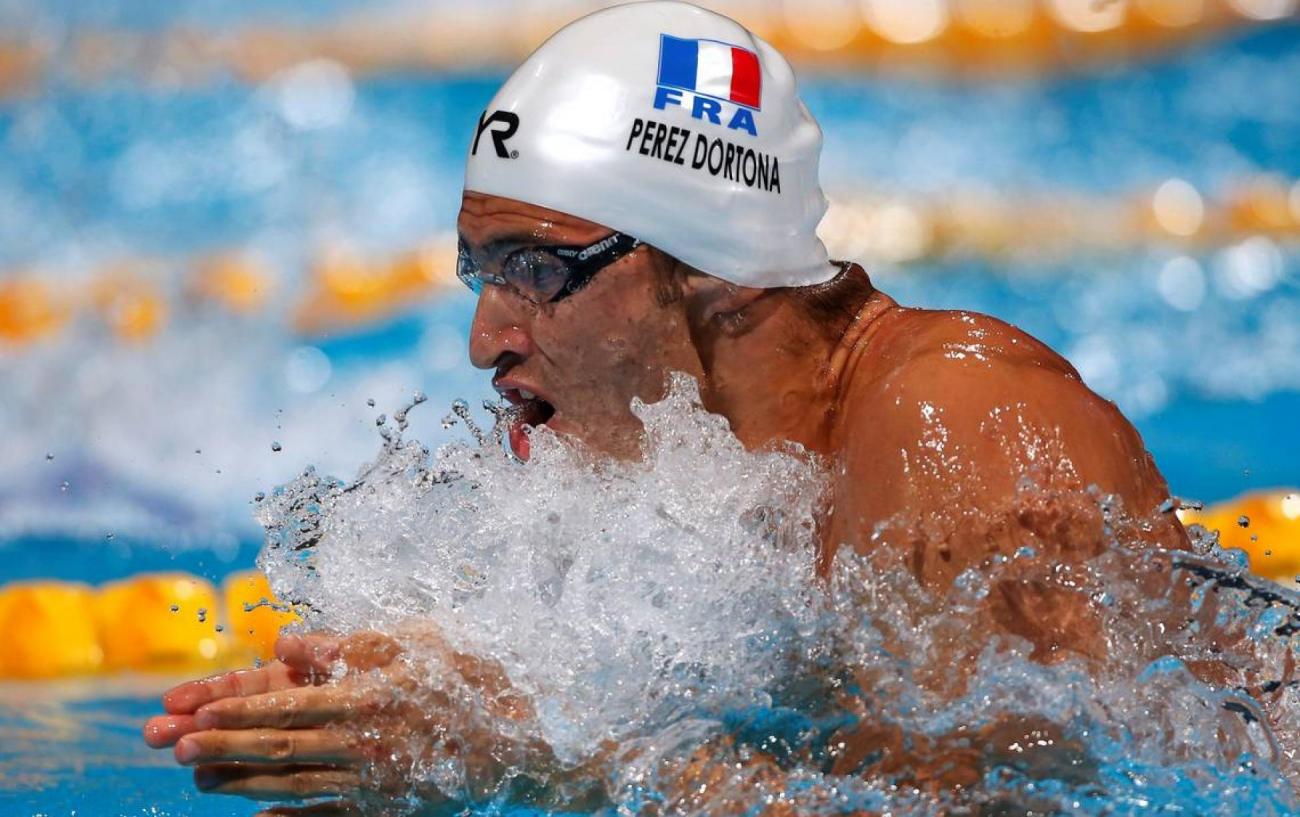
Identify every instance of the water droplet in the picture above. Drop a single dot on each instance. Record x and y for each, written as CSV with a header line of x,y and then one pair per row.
x,y
203,614
108,536
175,608
64,486
198,451
1244,521
48,456
381,419
259,496
371,402
275,446
219,628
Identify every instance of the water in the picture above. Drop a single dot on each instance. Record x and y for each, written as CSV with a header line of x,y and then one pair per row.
x,y
661,639
163,443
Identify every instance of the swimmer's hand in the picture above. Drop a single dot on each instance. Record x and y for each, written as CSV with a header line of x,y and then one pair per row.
x,y
341,718
270,721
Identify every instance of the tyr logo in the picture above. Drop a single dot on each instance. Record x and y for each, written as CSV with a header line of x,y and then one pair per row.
x,y
499,135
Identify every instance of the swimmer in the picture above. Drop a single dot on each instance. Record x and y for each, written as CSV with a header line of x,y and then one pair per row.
x,y
641,198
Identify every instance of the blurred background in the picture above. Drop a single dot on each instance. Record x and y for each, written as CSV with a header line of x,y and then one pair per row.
x,y
226,245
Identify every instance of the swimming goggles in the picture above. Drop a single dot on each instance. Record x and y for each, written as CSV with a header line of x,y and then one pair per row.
x,y
544,274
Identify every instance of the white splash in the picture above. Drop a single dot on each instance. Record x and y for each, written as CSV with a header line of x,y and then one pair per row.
x,y
616,594
670,608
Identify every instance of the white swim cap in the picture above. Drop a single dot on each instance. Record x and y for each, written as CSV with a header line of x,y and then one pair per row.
x,y
674,125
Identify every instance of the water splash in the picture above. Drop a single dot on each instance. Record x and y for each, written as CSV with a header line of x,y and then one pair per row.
x,y
665,622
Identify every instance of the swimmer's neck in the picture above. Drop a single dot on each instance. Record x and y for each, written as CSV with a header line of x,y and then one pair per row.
x,y
846,356
784,380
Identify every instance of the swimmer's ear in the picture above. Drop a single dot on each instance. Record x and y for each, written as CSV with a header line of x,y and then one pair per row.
x,y
715,301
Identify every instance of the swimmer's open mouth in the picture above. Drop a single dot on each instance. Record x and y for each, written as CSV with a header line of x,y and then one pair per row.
x,y
527,409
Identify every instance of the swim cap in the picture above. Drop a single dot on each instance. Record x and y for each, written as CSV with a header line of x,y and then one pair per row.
x,y
672,124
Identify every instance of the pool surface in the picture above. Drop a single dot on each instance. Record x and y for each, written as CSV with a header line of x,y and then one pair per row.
x,y
120,460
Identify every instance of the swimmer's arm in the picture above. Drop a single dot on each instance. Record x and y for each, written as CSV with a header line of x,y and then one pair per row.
x,y
943,436
935,471
721,778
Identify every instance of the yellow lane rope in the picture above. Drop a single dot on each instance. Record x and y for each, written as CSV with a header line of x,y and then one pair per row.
x,y
344,288
1266,525
964,38
164,622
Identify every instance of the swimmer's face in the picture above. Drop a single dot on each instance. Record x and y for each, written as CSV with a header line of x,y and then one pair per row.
x,y
586,356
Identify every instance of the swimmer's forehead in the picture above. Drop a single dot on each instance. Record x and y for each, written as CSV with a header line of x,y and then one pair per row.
x,y
494,221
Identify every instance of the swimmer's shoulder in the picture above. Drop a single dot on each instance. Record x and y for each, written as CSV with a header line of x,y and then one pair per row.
x,y
987,393
965,370
951,409
919,342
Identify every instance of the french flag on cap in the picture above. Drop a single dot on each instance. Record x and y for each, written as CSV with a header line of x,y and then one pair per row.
x,y
710,68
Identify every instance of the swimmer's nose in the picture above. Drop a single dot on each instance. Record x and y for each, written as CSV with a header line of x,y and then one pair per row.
x,y
499,329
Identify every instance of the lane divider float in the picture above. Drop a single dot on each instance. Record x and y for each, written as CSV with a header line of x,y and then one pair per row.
x,y
1265,524
342,288
159,622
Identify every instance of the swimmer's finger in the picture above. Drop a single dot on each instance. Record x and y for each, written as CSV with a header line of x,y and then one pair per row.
x,y
188,697
337,808
266,746
309,653
367,650
162,731
316,653
283,709
283,783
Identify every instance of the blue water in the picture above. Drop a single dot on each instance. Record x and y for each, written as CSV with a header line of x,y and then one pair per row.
x,y
1215,391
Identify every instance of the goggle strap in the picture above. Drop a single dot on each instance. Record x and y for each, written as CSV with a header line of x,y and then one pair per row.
x,y
616,246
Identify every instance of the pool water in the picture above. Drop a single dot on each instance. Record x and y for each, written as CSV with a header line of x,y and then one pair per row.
x,y
74,748
163,447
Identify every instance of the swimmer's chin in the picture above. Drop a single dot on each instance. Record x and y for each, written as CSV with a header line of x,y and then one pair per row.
x,y
623,444
521,437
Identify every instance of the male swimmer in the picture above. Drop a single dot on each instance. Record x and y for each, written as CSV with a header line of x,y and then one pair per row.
x,y
641,197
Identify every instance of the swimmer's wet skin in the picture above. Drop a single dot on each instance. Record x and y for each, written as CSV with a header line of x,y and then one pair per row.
x,y
610,250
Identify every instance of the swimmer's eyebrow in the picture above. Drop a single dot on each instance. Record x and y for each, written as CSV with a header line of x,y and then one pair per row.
x,y
509,241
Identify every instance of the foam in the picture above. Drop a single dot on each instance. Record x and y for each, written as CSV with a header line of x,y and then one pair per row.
x,y
670,605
